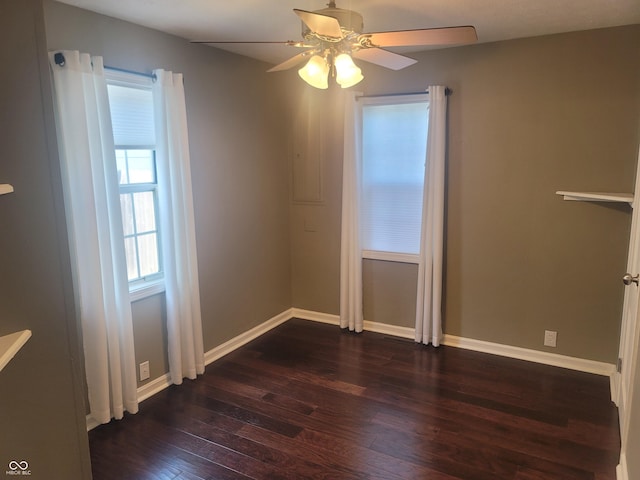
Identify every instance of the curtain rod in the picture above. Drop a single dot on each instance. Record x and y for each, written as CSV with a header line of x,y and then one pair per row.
x,y
447,91
132,72
59,59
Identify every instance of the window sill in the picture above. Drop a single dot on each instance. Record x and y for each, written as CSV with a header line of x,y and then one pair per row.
x,y
146,290
391,256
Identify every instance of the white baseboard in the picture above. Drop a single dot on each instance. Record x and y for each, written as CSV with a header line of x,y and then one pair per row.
x,y
154,386
615,387
147,390
151,388
332,319
236,342
393,330
91,422
546,358
329,318
553,359
158,384
621,470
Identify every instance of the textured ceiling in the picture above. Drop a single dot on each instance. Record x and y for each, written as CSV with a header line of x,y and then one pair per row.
x,y
256,20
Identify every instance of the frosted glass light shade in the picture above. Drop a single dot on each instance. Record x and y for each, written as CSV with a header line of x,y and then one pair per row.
x,y
347,73
316,72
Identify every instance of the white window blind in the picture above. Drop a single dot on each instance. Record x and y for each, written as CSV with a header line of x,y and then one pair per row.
x,y
394,142
132,116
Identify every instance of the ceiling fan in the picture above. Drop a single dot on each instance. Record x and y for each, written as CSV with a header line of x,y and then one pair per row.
x,y
334,36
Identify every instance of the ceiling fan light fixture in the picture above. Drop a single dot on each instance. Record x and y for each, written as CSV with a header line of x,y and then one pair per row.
x,y
316,72
333,34
348,73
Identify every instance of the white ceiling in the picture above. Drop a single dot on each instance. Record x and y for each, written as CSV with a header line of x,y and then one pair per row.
x,y
259,20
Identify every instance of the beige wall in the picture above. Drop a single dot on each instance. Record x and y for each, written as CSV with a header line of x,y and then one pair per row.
x,y
237,139
150,333
526,118
315,226
387,293
41,412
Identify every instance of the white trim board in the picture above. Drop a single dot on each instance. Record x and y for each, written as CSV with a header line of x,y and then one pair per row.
x,y
320,317
244,338
332,319
91,422
151,388
145,391
158,384
622,473
546,358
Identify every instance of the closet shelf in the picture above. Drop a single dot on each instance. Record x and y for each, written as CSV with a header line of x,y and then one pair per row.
x,y
5,188
10,344
597,197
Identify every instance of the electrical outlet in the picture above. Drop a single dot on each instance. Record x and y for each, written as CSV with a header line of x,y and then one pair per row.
x,y
144,370
550,338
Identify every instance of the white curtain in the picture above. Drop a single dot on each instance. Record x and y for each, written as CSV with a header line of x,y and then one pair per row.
x,y
95,231
350,251
429,295
184,323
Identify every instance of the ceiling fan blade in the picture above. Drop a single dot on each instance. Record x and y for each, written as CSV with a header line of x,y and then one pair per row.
x,y
289,43
384,58
428,36
292,62
320,24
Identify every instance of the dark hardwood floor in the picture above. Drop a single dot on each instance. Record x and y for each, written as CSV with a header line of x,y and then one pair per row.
x,y
307,400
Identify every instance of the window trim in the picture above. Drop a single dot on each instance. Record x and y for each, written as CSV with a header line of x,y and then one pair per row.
x,y
127,79
391,256
399,99
145,289
150,285
152,187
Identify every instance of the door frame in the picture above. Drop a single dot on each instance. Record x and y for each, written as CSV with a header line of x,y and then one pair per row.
x,y
629,331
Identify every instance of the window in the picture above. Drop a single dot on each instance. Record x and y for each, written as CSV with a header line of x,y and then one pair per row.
x,y
138,201
394,147
132,116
